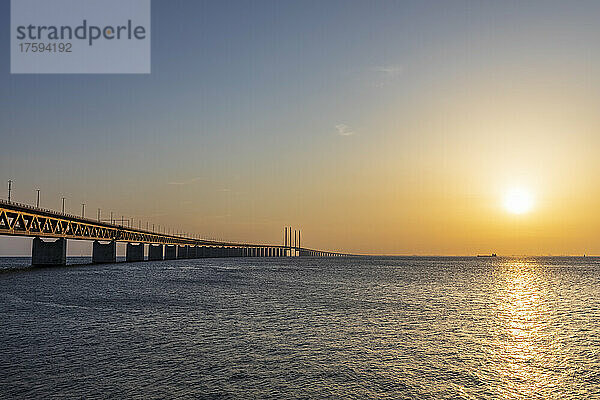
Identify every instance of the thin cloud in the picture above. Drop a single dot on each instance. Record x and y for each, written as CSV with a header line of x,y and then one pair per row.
x,y
385,74
344,130
187,182
388,70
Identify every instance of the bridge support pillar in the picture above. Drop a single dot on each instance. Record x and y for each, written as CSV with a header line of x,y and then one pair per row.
x,y
192,252
104,253
49,253
201,252
155,252
134,252
214,252
182,252
170,252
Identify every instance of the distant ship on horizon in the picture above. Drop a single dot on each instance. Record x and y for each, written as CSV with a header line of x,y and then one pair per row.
x,y
487,255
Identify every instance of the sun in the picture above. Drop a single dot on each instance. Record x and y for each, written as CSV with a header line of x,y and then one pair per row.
x,y
518,201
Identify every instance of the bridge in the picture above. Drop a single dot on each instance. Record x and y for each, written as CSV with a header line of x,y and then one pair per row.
x,y
57,227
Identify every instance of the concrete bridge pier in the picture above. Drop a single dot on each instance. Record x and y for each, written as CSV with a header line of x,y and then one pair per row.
x,y
170,252
134,252
192,252
49,253
103,253
304,253
182,252
155,252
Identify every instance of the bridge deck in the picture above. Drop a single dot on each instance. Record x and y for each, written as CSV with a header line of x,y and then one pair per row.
x,y
24,220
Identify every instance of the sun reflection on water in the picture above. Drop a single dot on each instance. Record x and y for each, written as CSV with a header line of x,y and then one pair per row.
x,y
526,346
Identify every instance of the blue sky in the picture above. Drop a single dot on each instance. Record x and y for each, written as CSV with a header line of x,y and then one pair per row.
x,y
267,113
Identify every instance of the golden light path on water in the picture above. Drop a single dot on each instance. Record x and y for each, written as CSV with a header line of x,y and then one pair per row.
x,y
527,346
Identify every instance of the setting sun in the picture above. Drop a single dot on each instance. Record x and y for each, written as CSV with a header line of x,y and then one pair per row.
x,y
518,201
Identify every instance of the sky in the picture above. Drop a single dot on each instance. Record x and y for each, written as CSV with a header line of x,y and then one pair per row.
x,y
374,127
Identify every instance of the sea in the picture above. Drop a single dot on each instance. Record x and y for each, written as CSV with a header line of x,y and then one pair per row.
x,y
302,328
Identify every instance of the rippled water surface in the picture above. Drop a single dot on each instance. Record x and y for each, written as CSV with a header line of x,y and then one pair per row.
x,y
415,328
